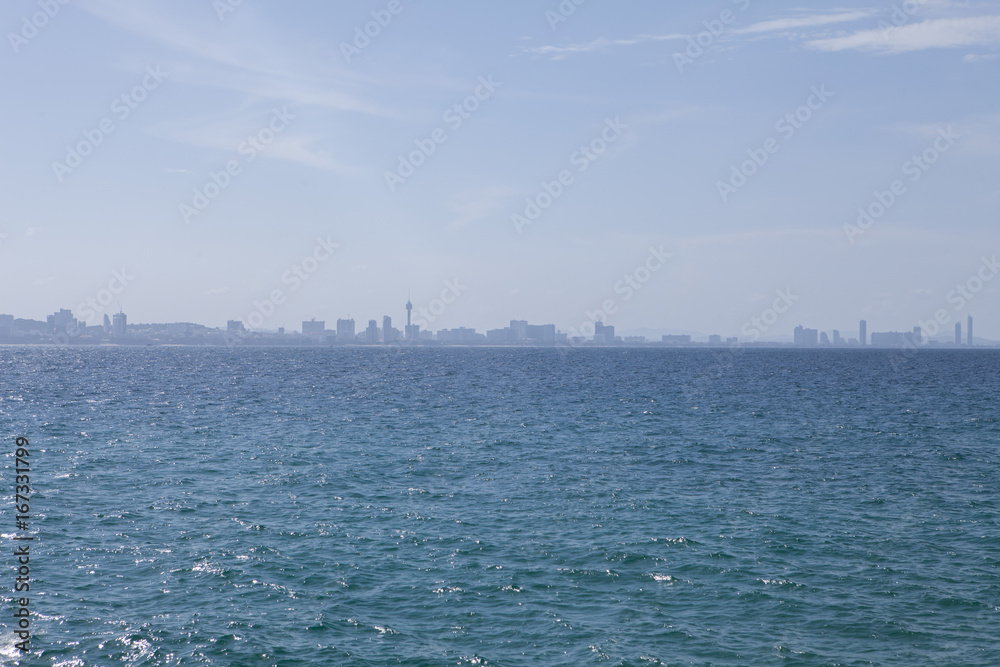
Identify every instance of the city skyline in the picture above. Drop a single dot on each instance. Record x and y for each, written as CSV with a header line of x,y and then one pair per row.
x,y
64,328
546,161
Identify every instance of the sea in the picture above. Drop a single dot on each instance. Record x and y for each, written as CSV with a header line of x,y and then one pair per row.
x,y
357,506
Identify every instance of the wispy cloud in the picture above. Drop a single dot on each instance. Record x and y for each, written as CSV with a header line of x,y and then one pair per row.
x,y
227,132
242,66
809,21
763,28
599,44
930,34
474,206
978,58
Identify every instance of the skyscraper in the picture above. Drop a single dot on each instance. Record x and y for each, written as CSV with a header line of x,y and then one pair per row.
x,y
970,331
520,329
345,331
604,333
958,333
806,337
864,333
412,331
313,327
119,324
388,333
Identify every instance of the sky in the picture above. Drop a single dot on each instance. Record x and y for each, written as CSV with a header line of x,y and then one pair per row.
x,y
732,167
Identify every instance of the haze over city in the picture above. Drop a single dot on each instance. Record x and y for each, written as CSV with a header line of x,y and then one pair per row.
x,y
686,163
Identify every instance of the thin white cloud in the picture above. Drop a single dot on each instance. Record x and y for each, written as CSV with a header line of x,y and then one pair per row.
x,y
930,34
811,21
598,44
559,52
226,133
477,205
241,66
978,58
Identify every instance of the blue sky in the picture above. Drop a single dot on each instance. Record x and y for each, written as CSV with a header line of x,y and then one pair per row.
x,y
739,138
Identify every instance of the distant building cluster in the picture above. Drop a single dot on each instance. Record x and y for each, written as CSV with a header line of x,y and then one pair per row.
x,y
893,339
62,327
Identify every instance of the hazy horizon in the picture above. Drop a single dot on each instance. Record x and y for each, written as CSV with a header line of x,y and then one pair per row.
x,y
687,163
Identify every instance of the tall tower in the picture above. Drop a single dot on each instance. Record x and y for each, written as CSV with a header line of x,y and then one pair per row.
x,y
864,332
958,333
970,330
409,309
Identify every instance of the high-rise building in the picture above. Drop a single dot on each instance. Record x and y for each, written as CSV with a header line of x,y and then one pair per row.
x,y
500,336
603,333
824,339
313,327
345,331
107,324
806,337
234,327
837,340
958,333
389,335
460,336
371,333
906,339
864,333
520,329
540,333
119,324
7,326
63,322
970,331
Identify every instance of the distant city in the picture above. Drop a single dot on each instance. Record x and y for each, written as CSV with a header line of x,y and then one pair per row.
x,y
63,328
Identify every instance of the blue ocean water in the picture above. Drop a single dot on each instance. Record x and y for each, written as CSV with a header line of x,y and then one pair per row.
x,y
348,506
